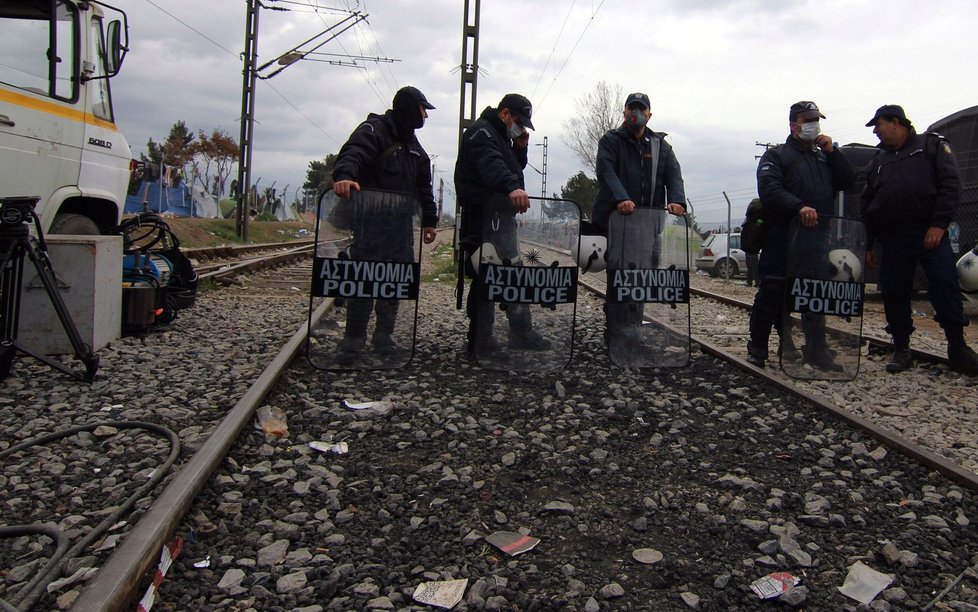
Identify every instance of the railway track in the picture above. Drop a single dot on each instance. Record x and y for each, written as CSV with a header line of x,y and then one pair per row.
x,y
502,413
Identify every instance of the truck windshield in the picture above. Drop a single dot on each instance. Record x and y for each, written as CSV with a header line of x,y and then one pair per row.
x,y
40,49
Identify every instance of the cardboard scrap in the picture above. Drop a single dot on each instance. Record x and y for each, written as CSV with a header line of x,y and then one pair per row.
x,y
511,543
773,584
441,593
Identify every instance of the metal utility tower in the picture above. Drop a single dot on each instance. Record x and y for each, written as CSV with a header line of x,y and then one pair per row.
x,y
469,69
543,191
250,56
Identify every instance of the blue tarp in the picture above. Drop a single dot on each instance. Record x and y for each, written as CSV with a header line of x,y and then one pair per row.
x,y
174,200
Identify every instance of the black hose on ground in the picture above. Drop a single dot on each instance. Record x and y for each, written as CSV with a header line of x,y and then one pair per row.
x,y
32,592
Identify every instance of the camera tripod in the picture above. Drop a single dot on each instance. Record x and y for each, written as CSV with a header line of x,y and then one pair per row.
x,y
16,243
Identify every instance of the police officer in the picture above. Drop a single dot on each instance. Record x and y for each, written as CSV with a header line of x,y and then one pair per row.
x,y
491,192
797,179
383,153
912,191
635,167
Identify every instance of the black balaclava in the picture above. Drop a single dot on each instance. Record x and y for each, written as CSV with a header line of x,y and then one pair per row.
x,y
407,112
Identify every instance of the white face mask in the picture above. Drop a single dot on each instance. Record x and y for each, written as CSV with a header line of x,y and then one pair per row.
x,y
515,130
809,131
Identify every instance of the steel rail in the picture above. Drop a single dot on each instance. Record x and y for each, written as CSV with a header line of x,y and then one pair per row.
x,y
952,471
258,263
237,250
115,585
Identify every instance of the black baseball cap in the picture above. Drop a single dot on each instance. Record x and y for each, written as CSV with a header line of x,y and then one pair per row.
x,y
641,98
416,95
889,112
520,107
805,109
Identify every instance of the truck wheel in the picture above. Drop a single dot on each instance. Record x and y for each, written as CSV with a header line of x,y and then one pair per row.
x,y
71,223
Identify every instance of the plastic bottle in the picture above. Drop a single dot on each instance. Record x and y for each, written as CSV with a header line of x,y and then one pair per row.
x,y
272,421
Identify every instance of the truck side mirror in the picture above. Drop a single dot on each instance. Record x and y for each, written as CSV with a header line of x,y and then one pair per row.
x,y
115,51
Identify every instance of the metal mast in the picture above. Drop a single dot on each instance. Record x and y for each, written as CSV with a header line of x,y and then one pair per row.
x,y
469,69
249,73
544,173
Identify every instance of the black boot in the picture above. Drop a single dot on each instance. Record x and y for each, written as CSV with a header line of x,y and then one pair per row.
x,y
756,356
383,338
901,359
960,357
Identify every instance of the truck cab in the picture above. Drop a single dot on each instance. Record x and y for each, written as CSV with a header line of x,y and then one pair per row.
x,y
58,136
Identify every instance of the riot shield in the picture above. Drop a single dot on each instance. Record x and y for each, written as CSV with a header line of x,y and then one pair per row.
x,y
822,328
526,274
368,250
647,309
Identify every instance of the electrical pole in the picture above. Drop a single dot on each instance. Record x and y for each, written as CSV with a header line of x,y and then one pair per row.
x,y
249,73
441,197
469,69
543,191
766,145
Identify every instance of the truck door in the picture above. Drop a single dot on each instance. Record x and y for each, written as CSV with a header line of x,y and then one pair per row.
x,y
105,155
41,125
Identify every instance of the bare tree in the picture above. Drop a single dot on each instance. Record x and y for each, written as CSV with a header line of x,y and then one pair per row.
x,y
596,112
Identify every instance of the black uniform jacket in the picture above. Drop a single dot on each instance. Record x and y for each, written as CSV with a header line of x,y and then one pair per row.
x,y
794,175
488,168
406,169
916,184
624,168
789,177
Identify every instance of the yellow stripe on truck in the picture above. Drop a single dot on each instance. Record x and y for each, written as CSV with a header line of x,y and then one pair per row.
x,y
54,108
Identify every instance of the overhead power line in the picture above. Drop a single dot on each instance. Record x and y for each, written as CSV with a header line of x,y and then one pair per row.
x,y
569,55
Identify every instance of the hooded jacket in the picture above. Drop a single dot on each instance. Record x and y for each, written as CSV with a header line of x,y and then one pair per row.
x,y
488,168
918,183
624,168
383,153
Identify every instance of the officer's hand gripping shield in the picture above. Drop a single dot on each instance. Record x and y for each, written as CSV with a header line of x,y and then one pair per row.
x,y
824,291
647,309
527,274
368,249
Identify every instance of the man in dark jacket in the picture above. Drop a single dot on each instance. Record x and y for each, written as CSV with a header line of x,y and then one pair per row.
x,y
384,154
799,178
635,167
912,191
491,192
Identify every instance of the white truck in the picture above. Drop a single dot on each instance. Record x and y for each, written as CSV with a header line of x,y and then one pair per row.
x,y
58,137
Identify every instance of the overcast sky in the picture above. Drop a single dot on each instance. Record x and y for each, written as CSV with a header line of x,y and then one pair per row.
x,y
721,74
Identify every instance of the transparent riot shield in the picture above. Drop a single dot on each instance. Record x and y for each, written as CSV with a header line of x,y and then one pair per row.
x,y
647,309
526,289
824,299
368,250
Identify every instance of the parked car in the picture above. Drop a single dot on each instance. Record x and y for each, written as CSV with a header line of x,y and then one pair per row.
x,y
718,260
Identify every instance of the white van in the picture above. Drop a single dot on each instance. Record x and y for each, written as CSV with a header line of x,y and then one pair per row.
x,y
58,137
718,260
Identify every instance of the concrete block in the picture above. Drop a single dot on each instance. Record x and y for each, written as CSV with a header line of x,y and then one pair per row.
x,y
88,270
